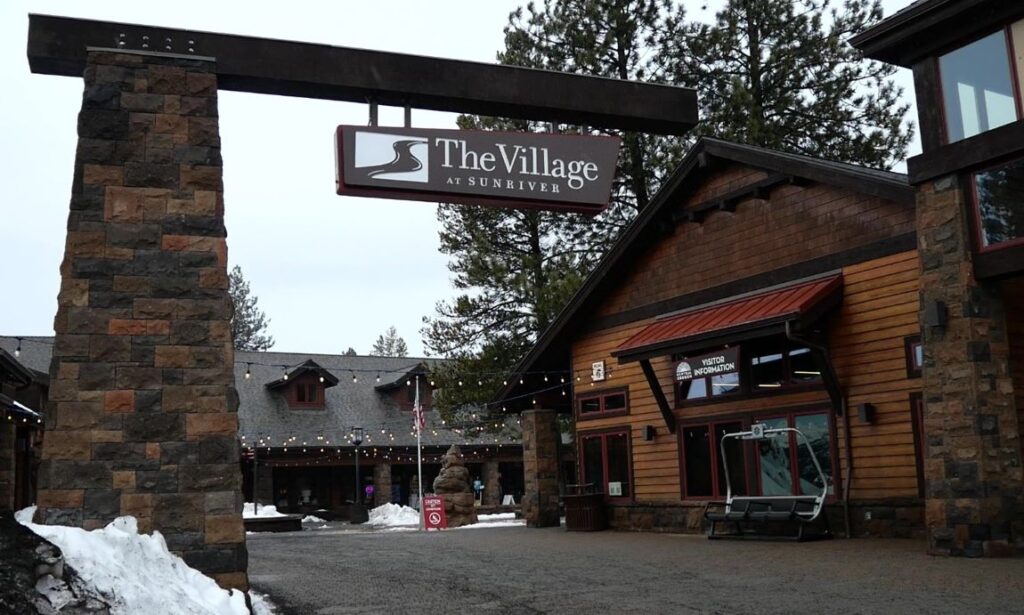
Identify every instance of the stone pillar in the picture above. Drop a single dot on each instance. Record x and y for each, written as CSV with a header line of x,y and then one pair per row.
x,y
381,484
141,418
972,438
540,468
492,484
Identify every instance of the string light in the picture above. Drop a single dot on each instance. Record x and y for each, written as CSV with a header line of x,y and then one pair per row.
x,y
17,351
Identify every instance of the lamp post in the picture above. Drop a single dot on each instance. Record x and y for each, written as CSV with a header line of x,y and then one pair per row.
x,y
359,514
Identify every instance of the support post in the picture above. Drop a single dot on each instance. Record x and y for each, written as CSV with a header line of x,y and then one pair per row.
x,y
974,503
540,467
492,484
142,413
381,484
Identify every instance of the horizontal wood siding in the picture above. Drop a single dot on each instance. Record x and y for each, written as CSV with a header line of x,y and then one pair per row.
x,y
794,225
879,309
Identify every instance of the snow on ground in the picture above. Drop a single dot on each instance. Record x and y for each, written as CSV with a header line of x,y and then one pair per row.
x,y
391,515
261,604
495,520
249,512
135,572
313,519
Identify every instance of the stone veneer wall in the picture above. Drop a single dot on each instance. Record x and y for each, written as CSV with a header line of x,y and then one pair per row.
x,y
492,484
142,413
381,484
972,460
540,468
7,465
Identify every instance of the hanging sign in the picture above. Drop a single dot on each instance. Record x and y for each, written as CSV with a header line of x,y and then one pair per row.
x,y
722,362
433,513
507,169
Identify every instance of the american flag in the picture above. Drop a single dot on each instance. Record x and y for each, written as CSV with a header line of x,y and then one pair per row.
x,y
418,421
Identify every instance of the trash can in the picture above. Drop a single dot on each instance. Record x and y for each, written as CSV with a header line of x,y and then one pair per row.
x,y
584,511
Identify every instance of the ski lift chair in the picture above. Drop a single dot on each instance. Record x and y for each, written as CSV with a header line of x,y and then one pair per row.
x,y
755,516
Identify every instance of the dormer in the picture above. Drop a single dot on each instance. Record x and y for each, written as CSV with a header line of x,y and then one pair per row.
x,y
305,386
401,388
967,57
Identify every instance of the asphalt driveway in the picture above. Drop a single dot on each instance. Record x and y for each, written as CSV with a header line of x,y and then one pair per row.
x,y
521,570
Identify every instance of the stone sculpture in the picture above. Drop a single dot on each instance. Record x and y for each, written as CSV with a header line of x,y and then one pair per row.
x,y
453,484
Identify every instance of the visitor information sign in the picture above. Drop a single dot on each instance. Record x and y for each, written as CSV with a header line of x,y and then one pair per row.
x,y
508,169
433,513
721,362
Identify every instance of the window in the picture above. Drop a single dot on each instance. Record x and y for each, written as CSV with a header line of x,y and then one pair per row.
x,y
603,403
306,392
999,203
706,468
914,352
978,92
772,363
917,422
780,465
606,463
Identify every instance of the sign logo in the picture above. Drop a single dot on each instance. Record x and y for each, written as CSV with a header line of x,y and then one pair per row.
x,y
392,157
507,169
684,371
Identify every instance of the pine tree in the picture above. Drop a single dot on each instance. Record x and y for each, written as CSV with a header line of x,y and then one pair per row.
x,y
780,74
351,352
248,323
515,269
389,344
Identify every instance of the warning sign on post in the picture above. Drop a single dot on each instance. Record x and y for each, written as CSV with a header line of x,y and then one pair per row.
x,y
433,513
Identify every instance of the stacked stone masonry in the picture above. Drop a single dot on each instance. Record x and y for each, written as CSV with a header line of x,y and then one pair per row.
x,y
540,466
142,413
972,465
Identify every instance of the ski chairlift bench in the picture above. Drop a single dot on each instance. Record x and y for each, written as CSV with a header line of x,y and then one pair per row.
x,y
757,516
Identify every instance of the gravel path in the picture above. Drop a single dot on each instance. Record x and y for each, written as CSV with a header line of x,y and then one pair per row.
x,y
521,570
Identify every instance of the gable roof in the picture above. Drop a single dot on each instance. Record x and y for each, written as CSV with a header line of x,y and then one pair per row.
x,y
34,356
309,366
551,350
265,412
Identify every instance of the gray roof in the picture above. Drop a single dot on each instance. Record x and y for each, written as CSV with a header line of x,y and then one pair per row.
x,y
265,413
262,412
35,351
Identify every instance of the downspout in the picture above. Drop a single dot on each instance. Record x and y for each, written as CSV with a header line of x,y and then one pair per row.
x,y
835,393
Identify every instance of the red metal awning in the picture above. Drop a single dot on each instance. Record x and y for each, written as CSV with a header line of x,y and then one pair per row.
x,y
756,313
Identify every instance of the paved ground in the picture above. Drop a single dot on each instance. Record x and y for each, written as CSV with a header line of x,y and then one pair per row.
x,y
520,570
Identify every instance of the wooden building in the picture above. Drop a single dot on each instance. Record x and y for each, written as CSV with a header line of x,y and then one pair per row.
x,y
967,57
798,279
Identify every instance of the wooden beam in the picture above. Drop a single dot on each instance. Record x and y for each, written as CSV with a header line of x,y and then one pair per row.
x,y
659,395
57,46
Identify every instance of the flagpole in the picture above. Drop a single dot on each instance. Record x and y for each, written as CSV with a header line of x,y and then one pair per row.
x,y
418,417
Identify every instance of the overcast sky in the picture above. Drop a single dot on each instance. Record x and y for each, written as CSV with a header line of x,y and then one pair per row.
x,y
331,272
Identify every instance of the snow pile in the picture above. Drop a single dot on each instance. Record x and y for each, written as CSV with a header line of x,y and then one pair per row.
x,y
390,515
495,520
135,572
313,519
249,511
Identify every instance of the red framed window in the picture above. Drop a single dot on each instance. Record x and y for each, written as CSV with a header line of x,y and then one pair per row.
x,y
914,353
600,404
606,463
917,421
306,392
998,194
704,470
775,466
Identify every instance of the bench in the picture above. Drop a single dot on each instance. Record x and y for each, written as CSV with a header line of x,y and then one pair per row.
x,y
757,516
750,516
